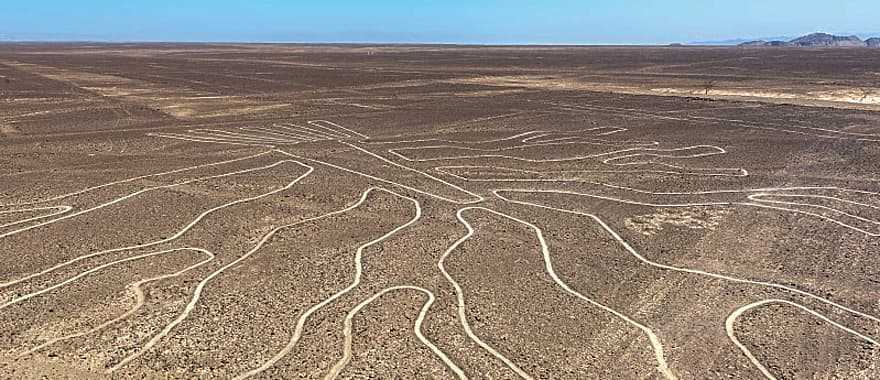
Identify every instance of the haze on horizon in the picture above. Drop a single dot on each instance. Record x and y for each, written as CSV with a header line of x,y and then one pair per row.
x,y
451,21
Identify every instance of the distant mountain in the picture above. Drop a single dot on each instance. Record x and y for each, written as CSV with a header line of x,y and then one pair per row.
x,y
825,39
819,40
737,41
755,43
766,43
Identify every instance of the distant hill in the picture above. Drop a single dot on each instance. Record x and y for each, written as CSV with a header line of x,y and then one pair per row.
x,y
819,40
737,41
825,39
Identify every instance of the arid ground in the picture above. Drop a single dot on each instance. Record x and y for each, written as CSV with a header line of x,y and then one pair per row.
x,y
296,211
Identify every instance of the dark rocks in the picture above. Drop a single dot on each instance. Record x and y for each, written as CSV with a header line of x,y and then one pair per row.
x,y
819,40
825,39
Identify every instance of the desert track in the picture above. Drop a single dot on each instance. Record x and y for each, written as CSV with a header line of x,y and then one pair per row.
x,y
661,235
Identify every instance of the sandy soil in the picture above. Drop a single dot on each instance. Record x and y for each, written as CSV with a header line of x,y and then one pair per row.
x,y
286,211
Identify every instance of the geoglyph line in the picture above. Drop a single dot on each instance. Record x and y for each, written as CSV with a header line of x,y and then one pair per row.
x,y
288,134
640,151
339,127
758,198
528,137
677,170
731,333
183,137
358,265
180,232
477,197
802,130
319,128
417,329
656,345
536,138
645,260
81,275
761,197
221,134
132,179
58,211
140,299
200,287
132,195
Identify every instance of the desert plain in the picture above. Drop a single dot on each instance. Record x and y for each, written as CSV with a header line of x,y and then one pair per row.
x,y
498,212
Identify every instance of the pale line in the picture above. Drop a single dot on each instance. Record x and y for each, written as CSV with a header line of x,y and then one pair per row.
x,y
820,216
322,135
742,123
645,260
760,198
643,152
294,140
179,233
358,263
306,132
213,140
611,131
714,108
527,138
719,150
219,133
710,192
817,196
461,307
514,137
852,135
298,133
459,188
341,127
200,287
77,277
316,124
134,194
88,189
222,133
750,204
762,192
545,206
321,130
479,197
396,151
731,319
618,158
231,136
556,140
605,226
252,133
59,210
656,345
410,188
417,329
754,197
139,296
684,171
176,136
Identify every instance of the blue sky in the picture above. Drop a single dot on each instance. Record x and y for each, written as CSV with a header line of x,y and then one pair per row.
x,y
461,21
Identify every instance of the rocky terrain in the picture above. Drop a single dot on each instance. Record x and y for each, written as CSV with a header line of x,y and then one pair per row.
x,y
820,40
222,211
